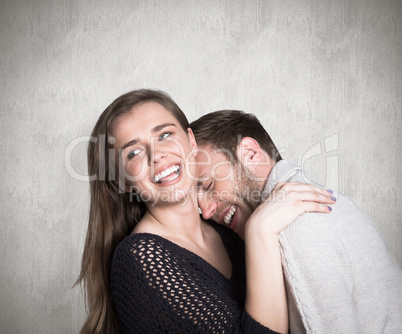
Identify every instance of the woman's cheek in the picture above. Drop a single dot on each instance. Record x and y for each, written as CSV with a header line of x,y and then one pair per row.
x,y
136,172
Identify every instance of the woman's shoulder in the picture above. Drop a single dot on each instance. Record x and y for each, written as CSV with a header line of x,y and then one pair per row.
x,y
140,244
141,249
140,253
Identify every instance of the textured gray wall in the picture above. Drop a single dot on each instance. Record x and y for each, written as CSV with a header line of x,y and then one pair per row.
x,y
323,76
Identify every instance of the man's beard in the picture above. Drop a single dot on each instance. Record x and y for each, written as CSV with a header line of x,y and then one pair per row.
x,y
247,189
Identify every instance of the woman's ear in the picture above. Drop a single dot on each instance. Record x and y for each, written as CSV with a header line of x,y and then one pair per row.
x,y
193,142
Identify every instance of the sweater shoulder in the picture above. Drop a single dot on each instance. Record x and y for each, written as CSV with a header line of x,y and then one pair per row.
x,y
140,243
140,249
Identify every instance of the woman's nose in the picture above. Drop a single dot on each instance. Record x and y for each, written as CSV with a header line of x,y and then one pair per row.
x,y
156,156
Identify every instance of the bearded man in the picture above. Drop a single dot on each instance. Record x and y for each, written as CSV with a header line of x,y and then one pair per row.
x,y
339,274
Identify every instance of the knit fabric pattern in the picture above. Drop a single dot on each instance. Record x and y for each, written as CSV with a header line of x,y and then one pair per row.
x,y
339,273
160,287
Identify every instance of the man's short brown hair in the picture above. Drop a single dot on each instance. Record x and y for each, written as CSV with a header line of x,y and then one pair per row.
x,y
224,129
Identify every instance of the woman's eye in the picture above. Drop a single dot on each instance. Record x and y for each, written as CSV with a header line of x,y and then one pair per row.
x,y
132,153
164,135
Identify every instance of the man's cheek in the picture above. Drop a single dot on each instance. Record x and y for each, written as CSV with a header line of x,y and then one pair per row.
x,y
225,195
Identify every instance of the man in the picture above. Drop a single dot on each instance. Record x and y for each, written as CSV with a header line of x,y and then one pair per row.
x,y
339,274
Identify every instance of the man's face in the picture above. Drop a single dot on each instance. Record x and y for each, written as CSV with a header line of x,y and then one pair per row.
x,y
227,193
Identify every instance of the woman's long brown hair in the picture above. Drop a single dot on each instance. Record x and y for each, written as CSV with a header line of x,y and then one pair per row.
x,y
113,213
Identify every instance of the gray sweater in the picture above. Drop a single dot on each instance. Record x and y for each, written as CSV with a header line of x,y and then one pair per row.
x,y
339,274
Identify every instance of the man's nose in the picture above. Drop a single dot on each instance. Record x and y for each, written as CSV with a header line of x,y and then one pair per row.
x,y
207,206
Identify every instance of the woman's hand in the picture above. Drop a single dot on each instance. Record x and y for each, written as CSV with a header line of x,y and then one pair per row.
x,y
286,203
266,295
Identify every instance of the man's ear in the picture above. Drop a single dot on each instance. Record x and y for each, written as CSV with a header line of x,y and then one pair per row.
x,y
193,142
249,152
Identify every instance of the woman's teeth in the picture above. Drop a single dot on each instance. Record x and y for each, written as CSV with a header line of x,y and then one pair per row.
x,y
167,172
229,216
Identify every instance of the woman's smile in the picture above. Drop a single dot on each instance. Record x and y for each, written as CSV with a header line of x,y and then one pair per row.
x,y
168,175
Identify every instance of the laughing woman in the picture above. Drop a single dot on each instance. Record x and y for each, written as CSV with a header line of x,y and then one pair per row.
x,y
150,263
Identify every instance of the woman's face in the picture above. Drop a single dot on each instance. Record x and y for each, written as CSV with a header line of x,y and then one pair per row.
x,y
156,156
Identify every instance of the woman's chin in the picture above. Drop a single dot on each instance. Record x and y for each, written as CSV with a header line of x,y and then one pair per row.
x,y
170,197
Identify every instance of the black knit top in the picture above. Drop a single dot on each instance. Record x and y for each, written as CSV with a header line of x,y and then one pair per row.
x,y
160,287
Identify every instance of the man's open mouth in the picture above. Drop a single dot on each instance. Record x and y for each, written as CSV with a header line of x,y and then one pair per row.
x,y
229,216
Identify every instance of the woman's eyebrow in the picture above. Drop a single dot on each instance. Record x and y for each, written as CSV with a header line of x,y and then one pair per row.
x,y
160,127
154,130
130,143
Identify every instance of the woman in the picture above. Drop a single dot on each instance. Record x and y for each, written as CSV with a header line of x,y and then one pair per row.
x,y
171,271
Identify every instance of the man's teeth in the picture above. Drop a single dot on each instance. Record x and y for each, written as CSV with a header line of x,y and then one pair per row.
x,y
229,216
166,172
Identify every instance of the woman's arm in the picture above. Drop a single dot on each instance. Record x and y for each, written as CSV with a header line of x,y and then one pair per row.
x,y
266,295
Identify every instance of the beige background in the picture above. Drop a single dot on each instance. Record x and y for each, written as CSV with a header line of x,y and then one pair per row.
x,y
323,76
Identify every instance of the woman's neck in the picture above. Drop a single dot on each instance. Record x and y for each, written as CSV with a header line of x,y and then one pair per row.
x,y
173,220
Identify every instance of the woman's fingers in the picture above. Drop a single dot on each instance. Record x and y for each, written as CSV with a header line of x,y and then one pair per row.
x,y
310,196
287,202
296,186
313,207
295,192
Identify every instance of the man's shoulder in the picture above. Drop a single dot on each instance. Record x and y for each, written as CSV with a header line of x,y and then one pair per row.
x,y
345,219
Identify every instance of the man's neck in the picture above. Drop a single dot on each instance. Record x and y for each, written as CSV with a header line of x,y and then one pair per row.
x,y
264,173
